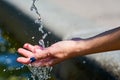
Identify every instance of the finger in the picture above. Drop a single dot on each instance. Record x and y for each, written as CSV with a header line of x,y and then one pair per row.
x,y
23,60
37,63
29,47
40,62
25,52
38,47
32,48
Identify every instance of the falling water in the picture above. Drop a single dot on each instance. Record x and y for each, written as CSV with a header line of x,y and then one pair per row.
x,y
42,73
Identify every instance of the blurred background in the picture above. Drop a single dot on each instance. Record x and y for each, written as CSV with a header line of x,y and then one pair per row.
x,y
64,19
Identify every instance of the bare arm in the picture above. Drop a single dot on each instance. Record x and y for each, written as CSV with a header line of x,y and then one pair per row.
x,y
60,51
106,41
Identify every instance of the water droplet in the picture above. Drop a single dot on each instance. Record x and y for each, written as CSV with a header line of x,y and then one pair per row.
x,y
41,43
4,70
33,37
44,36
41,29
49,32
84,62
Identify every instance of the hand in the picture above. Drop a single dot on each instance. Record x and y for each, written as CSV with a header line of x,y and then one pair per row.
x,y
49,56
63,50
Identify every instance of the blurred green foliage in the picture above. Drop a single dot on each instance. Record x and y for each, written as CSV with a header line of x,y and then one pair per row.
x,y
10,46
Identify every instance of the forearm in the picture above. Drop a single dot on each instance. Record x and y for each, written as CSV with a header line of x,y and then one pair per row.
x,y
106,41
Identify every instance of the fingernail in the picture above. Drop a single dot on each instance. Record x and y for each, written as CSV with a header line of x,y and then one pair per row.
x,y
32,59
26,44
19,50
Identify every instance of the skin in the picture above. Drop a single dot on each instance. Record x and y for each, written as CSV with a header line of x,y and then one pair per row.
x,y
63,50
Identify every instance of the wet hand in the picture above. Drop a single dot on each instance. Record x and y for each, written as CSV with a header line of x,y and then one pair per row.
x,y
49,56
31,52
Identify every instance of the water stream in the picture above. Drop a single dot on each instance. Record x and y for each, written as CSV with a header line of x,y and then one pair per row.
x,y
42,73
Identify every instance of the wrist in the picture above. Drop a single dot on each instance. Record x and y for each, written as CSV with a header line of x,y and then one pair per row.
x,y
82,46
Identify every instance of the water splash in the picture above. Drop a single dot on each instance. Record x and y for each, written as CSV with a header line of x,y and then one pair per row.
x,y
42,73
